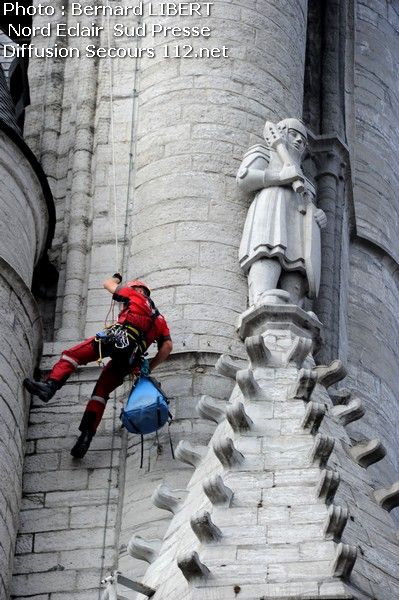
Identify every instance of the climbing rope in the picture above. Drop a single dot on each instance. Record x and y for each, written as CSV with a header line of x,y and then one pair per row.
x,y
112,136
112,305
120,265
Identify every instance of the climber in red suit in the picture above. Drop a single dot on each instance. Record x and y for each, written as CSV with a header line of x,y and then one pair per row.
x,y
139,325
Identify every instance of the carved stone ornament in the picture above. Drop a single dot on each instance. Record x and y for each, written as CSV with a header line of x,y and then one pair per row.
x,y
210,409
238,418
327,375
258,353
168,499
336,520
280,245
322,448
328,485
218,493
344,561
304,387
227,366
367,453
341,396
388,499
143,549
203,527
264,318
191,566
227,453
313,417
299,351
189,454
348,413
249,386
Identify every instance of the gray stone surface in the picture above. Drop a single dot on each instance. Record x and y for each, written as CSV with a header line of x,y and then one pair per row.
x,y
180,131
7,110
288,525
23,211
376,108
373,334
23,230
373,299
70,509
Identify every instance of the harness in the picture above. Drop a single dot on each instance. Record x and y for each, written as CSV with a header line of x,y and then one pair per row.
x,y
121,339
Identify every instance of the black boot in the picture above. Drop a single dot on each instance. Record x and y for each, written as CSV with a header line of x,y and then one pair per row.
x,y
82,444
45,390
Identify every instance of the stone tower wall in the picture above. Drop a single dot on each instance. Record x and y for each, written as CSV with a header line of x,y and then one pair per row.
x,y
180,129
195,119
24,220
374,293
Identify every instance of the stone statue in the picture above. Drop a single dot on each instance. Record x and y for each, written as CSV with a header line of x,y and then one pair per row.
x,y
280,246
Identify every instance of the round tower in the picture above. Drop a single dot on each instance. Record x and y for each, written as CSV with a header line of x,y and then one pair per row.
x,y
194,120
25,210
374,253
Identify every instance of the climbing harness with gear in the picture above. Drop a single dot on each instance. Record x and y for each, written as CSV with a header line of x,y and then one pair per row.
x,y
121,342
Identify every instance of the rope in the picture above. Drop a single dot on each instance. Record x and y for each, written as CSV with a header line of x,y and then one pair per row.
x,y
112,132
129,208
123,269
113,160
108,494
111,309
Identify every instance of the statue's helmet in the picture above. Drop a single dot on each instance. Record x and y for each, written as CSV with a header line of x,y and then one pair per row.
x,y
286,124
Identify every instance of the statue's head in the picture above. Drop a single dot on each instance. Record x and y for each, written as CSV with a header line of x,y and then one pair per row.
x,y
296,135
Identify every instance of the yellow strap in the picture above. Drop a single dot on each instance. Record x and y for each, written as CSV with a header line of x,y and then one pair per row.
x,y
143,343
132,329
100,354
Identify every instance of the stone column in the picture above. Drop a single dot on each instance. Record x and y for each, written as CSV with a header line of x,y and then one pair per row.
x,y
328,111
79,209
23,229
374,256
334,197
195,120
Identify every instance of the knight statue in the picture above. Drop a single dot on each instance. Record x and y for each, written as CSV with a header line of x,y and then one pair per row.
x,y
280,246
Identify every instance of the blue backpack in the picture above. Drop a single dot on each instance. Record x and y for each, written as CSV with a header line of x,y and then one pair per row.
x,y
146,410
147,407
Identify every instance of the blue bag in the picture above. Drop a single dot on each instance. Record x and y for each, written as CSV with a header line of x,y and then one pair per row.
x,y
147,408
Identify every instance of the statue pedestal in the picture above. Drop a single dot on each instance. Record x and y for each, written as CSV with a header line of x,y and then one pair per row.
x,y
280,324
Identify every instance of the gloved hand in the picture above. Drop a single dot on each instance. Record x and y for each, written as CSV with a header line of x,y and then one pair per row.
x,y
117,276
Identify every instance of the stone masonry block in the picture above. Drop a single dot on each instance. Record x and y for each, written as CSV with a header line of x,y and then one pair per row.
x,y
70,540
43,519
39,583
295,534
55,481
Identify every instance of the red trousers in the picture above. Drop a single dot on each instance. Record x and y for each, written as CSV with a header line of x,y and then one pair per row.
x,y
112,376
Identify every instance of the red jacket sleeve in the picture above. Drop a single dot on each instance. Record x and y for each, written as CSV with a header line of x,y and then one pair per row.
x,y
162,330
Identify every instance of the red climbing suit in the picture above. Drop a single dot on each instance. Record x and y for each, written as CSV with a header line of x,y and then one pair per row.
x,y
139,312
